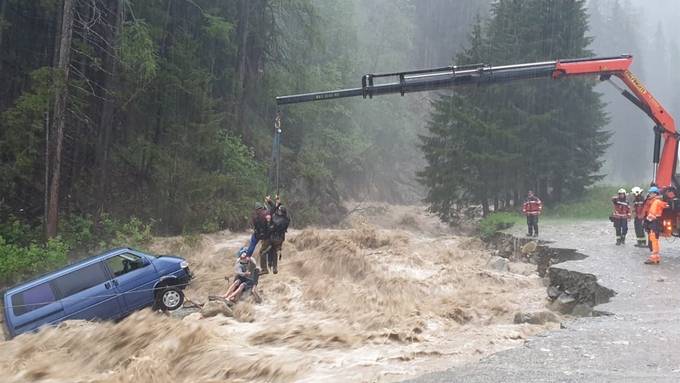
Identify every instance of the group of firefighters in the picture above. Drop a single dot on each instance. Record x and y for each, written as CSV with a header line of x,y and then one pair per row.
x,y
647,217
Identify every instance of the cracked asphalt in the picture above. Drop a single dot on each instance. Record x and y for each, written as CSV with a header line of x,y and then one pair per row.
x,y
639,342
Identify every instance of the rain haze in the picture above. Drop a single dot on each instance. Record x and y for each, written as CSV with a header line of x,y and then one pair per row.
x,y
337,191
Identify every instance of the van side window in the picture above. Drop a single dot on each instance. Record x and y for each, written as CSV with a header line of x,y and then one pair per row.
x,y
123,263
80,280
33,298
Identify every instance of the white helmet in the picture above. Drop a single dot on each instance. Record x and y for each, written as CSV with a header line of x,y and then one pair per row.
x,y
622,191
636,190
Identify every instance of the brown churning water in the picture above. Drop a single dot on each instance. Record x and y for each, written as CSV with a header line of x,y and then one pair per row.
x,y
365,303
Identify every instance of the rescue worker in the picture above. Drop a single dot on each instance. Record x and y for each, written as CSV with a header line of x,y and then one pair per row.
x,y
266,247
280,222
259,223
640,215
653,223
272,205
645,211
532,208
621,216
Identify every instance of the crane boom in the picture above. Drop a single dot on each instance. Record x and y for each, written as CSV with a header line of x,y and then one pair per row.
x,y
481,74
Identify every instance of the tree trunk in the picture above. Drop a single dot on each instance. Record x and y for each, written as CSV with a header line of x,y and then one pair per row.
x,y
242,35
543,189
3,12
485,207
46,194
557,189
60,115
111,31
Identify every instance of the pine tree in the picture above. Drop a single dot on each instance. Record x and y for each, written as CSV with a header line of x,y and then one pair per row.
x,y
544,135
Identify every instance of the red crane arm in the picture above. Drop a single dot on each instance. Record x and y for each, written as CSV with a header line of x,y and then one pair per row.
x,y
480,74
647,102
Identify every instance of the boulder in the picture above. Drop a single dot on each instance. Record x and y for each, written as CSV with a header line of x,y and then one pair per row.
x,y
553,292
564,303
212,308
497,263
182,312
536,317
529,247
582,310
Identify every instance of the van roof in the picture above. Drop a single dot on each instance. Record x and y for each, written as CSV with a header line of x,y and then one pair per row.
x,y
63,270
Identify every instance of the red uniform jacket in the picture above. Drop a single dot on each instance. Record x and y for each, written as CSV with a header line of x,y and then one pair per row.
x,y
532,206
621,208
639,207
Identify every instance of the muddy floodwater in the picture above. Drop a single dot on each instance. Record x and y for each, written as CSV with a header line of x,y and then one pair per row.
x,y
391,295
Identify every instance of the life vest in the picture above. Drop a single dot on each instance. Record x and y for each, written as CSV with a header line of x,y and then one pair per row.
x,y
532,206
639,206
621,208
259,221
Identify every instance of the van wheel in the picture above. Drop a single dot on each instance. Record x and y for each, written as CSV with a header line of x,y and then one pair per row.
x,y
170,298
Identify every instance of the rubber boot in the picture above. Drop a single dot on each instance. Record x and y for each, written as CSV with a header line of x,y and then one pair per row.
x,y
654,259
618,241
623,240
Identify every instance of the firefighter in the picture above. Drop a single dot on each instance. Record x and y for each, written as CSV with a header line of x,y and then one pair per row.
x,y
532,208
639,210
653,223
621,216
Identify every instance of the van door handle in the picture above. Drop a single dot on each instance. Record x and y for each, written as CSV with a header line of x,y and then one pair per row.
x,y
115,282
107,285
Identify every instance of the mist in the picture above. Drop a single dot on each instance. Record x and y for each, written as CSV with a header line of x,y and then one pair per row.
x,y
644,29
430,34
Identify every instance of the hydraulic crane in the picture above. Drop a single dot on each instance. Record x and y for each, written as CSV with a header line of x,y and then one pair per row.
x,y
665,159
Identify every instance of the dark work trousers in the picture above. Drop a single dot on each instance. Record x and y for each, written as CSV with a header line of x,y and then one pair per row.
x,y
621,226
532,223
640,231
275,253
265,250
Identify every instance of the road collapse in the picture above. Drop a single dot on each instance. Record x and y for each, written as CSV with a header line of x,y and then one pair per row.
x,y
392,295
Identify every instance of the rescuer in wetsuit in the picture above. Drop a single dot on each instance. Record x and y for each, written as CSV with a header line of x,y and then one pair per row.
x,y
654,224
532,208
639,216
621,216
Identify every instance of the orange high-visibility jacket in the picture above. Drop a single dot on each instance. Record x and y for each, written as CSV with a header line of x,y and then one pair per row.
x,y
656,209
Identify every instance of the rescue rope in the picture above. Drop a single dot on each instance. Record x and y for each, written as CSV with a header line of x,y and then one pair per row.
x,y
274,170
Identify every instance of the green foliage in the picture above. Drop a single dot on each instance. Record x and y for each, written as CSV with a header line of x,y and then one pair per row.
x,y
85,234
22,141
20,262
138,51
594,203
495,222
15,231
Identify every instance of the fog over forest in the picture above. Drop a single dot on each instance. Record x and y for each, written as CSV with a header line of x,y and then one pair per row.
x,y
638,27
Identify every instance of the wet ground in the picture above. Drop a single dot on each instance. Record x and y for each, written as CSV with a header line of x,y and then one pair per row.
x,y
638,342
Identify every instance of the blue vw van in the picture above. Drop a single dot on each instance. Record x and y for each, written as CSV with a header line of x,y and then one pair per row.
x,y
107,286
